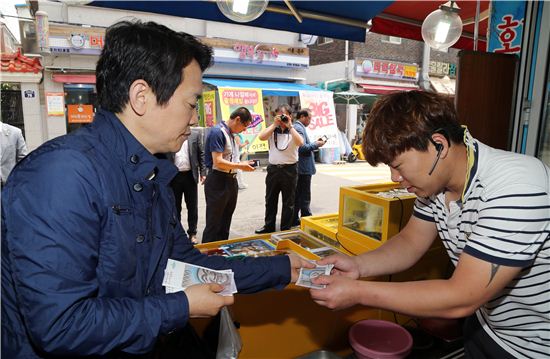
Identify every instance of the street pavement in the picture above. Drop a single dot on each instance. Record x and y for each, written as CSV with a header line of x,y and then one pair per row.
x,y
249,214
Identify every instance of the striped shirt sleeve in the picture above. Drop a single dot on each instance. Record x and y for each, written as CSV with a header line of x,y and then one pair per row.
x,y
512,226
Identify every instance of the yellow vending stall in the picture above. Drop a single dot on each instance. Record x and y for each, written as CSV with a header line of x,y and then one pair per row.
x,y
287,323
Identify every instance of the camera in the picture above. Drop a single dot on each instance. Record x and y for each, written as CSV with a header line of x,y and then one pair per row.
x,y
285,118
255,163
323,138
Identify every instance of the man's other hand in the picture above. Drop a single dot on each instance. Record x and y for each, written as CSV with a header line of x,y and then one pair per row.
x,y
204,300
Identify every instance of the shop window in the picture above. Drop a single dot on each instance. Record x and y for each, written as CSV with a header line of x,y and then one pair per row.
x,y
325,40
391,39
81,102
12,106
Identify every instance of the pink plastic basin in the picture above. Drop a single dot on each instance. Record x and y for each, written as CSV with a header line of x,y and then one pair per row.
x,y
372,339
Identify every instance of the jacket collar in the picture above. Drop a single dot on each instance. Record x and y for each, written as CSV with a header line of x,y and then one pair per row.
x,y
137,160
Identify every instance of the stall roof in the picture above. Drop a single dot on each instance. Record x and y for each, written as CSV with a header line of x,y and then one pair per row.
x,y
268,88
345,20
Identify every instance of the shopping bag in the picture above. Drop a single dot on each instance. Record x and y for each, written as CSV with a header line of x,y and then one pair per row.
x,y
229,341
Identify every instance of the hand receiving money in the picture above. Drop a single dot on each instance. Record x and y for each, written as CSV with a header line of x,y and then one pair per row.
x,y
307,274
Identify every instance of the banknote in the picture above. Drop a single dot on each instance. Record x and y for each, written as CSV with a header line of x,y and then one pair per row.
x,y
180,275
308,274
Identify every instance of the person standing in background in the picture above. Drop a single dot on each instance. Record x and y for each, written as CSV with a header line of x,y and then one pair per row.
x,y
306,167
222,161
190,163
282,172
13,147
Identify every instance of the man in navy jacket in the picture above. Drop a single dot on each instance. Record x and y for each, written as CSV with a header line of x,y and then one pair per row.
x,y
89,221
306,167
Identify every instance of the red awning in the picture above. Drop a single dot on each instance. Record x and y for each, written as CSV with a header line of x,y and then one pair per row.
x,y
404,19
74,79
380,89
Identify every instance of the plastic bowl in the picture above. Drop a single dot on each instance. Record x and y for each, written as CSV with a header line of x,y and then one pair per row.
x,y
381,339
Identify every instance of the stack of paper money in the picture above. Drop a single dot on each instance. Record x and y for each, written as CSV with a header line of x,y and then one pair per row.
x,y
307,274
180,275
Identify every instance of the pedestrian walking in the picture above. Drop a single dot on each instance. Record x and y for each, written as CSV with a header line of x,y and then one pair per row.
x,y
13,149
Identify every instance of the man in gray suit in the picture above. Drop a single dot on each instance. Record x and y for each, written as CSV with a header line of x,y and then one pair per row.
x,y
12,147
306,167
190,162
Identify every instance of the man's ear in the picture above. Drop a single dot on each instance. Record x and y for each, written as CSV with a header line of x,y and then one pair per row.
x,y
138,96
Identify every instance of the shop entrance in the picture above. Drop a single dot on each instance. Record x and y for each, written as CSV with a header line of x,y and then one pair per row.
x,y
81,102
12,106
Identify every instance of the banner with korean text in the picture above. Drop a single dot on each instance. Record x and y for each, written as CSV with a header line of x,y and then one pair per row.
x,y
208,109
233,98
323,116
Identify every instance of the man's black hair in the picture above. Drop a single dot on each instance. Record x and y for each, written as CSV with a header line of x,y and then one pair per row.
x,y
149,51
302,113
244,115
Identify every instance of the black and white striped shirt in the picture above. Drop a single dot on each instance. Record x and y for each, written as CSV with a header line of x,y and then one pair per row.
x,y
504,218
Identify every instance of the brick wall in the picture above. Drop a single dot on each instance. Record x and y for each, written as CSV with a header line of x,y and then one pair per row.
x,y
408,51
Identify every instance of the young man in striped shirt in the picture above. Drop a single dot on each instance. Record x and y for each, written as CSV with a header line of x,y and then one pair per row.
x,y
491,209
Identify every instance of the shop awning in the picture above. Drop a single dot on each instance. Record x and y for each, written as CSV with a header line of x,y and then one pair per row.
x,y
268,88
381,89
354,98
346,20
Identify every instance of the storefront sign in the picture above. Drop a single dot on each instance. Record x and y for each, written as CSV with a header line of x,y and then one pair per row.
x,y
251,53
55,103
80,113
386,69
233,98
441,69
506,26
42,31
323,116
76,40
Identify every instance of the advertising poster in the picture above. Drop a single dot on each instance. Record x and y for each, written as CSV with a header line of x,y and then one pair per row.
x,y
233,98
323,116
55,103
208,109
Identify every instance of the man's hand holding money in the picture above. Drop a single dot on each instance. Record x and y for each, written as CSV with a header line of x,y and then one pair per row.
x,y
296,263
204,300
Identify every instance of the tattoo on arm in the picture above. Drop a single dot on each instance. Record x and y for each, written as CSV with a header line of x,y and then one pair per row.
x,y
494,269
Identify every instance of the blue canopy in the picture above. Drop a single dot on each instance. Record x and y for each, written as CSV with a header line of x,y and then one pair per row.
x,y
346,20
268,88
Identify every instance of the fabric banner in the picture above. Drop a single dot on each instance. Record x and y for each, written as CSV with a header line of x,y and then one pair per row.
x,y
233,98
208,109
323,116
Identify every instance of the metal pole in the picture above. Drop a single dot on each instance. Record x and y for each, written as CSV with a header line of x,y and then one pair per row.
x,y
476,25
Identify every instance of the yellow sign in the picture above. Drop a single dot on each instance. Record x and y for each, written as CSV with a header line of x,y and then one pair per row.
x,y
233,98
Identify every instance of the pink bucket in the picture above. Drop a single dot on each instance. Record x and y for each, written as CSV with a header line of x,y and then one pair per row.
x,y
371,339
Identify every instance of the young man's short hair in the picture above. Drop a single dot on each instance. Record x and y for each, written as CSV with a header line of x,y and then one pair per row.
x,y
243,114
304,112
149,51
406,120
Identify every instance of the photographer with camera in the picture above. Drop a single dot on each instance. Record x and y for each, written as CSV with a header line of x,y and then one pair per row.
x,y
282,171
306,167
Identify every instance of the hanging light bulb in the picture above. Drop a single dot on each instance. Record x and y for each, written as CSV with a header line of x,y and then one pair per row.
x,y
242,10
443,27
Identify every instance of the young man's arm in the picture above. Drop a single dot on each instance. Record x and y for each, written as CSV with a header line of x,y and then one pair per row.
x,y
223,164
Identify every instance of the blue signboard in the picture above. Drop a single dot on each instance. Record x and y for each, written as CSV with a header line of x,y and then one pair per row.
x,y
506,26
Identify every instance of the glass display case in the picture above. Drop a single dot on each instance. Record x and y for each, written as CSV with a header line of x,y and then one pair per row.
x,y
371,214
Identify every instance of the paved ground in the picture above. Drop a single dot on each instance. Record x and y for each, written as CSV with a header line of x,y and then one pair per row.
x,y
249,214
